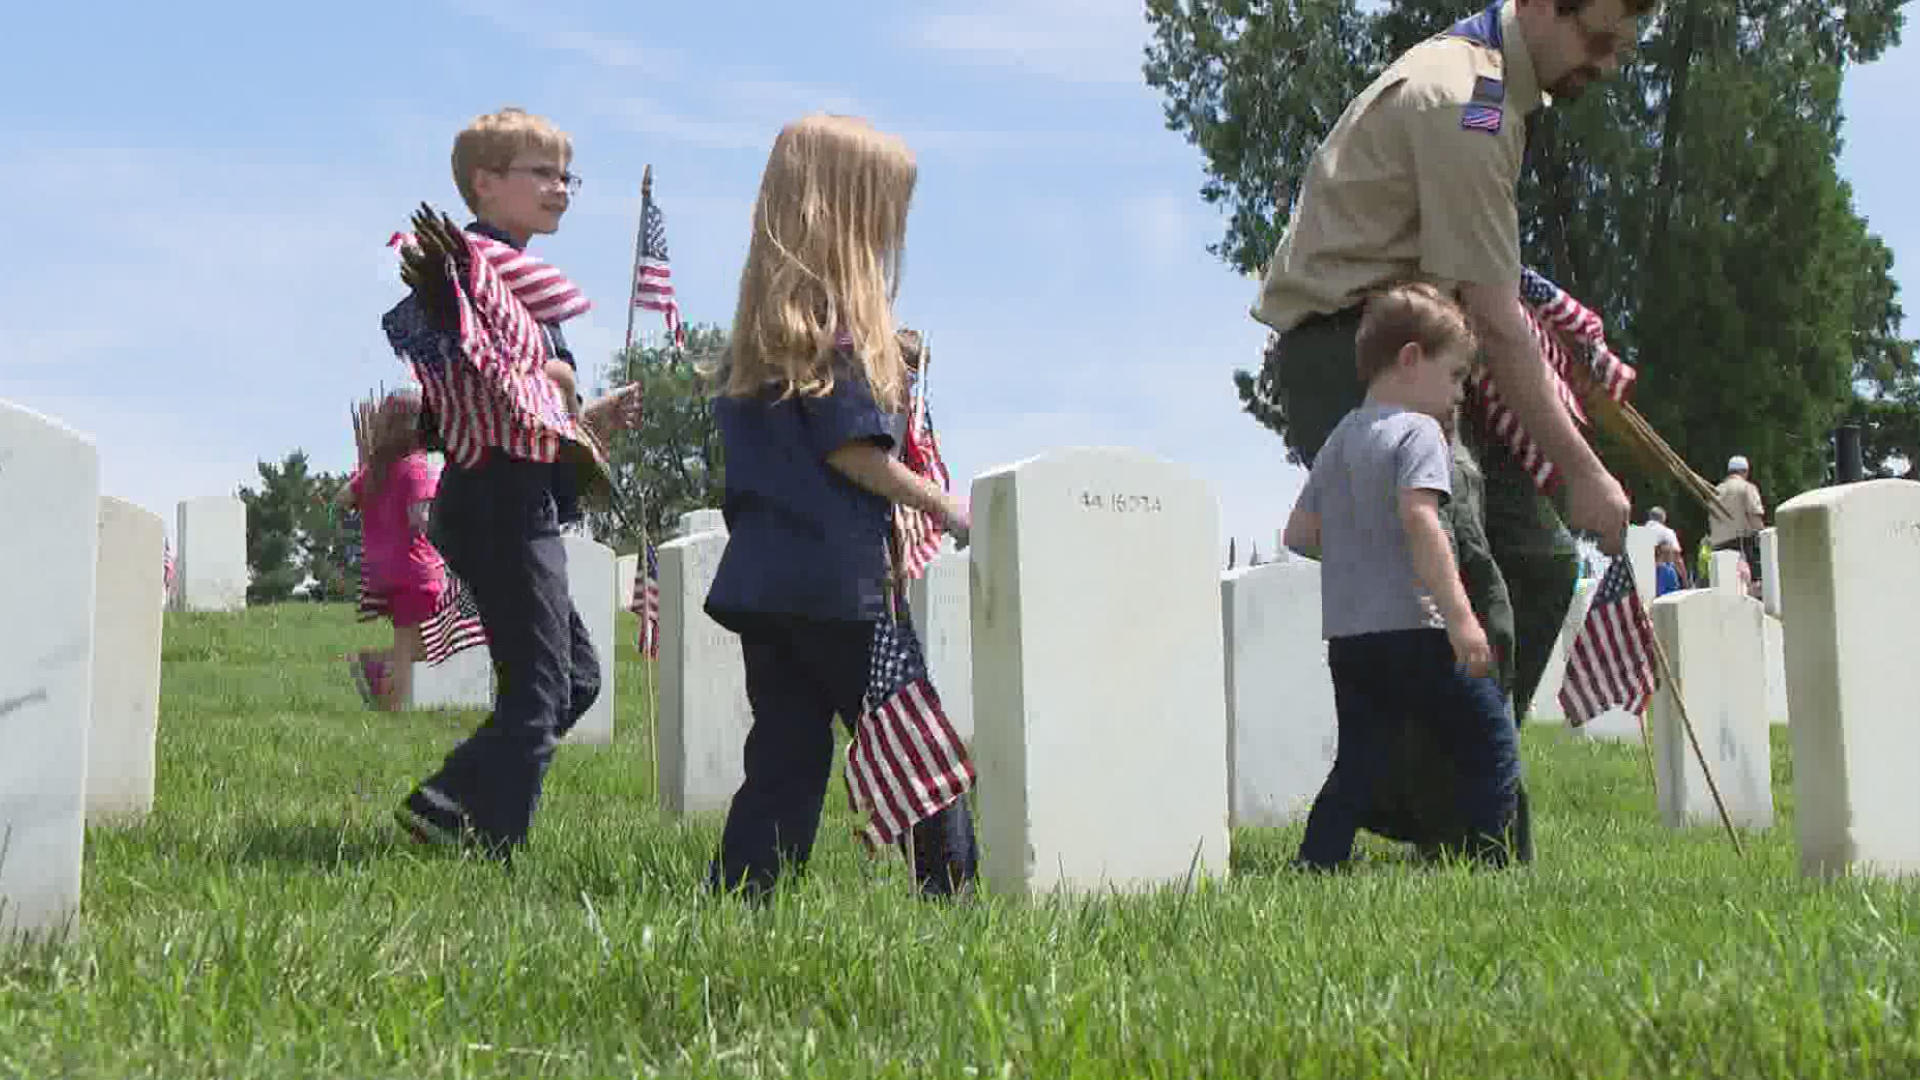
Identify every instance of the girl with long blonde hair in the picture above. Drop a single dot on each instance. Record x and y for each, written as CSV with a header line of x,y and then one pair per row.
x,y
809,408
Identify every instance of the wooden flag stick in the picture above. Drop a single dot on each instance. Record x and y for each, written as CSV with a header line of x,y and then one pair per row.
x,y
1680,703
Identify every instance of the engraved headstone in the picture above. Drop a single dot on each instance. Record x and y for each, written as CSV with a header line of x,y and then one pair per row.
x,y
704,714
1281,727
1713,641
591,577
941,605
1099,718
211,565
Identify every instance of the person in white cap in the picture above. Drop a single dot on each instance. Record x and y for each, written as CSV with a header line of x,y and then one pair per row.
x,y
1738,529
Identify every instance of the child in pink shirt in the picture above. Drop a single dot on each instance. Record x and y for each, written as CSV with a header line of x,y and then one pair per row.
x,y
393,489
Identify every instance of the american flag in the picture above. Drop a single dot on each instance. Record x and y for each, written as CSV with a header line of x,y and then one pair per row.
x,y
652,277
646,601
919,533
905,762
453,626
1550,313
166,567
1610,662
485,382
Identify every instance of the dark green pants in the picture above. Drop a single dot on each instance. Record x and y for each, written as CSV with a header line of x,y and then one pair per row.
x,y
1519,562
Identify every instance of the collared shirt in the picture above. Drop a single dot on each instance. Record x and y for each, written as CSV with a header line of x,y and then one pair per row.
x,y
1745,513
1417,180
803,540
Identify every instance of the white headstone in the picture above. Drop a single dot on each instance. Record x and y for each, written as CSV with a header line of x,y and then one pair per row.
x,y
629,574
705,520
211,565
1723,572
1714,641
591,581
1770,570
1281,727
50,488
126,662
461,681
941,607
1850,557
704,714
1099,719
1546,697
1778,708
1644,555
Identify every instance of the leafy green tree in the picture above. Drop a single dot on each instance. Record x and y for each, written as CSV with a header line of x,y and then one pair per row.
x,y
1693,202
673,462
291,535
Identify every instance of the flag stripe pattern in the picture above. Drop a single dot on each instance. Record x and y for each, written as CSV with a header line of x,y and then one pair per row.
x,y
646,602
652,276
486,382
917,532
1555,319
1610,661
905,761
453,627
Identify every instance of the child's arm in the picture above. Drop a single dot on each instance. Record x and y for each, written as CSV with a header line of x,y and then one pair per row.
x,y
1303,532
875,470
1433,562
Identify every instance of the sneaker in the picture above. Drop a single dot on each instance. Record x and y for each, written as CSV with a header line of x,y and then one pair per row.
x,y
433,818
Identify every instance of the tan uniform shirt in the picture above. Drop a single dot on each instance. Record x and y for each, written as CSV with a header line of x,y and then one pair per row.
x,y
1745,515
1412,183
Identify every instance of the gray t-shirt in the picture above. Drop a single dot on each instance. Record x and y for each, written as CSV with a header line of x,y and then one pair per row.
x,y
1367,580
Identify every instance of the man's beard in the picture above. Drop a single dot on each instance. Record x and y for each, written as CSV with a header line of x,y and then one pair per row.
x,y
1574,83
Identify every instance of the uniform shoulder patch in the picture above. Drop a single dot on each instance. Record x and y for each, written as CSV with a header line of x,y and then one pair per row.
x,y
1478,116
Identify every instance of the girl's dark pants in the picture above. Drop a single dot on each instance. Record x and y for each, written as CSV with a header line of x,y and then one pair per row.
x,y
1383,681
800,674
498,528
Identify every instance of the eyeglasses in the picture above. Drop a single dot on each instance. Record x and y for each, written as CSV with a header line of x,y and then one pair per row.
x,y
549,176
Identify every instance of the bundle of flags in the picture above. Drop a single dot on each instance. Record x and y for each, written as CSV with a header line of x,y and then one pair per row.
x,y
917,534
1550,312
646,603
454,625
905,761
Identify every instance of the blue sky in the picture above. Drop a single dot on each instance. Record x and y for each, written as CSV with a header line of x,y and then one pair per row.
x,y
201,208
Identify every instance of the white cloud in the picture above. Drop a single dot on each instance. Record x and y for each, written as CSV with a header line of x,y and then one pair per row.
x,y
1087,41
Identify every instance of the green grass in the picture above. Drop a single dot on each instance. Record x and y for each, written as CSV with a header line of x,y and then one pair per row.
x,y
268,921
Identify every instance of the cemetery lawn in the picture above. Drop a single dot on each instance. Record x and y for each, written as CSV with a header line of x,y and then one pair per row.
x,y
269,921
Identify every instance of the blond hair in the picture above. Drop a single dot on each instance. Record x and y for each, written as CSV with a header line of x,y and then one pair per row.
x,y
1407,313
824,260
491,142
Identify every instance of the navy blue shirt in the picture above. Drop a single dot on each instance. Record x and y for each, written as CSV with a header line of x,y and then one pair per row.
x,y
565,485
803,540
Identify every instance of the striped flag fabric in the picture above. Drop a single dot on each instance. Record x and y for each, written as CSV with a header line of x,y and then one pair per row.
x,y
646,602
485,382
905,761
1610,661
1552,312
453,627
652,276
919,533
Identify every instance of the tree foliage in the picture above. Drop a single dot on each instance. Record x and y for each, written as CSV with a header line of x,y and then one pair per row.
x,y
1694,202
291,534
673,462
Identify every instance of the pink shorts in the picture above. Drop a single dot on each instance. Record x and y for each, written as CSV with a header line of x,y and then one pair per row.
x,y
412,605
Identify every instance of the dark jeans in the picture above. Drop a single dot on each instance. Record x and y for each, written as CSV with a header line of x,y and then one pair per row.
x,y
1382,683
498,529
800,674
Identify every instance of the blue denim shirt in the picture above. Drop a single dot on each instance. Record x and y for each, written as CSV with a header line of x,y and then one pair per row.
x,y
566,487
803,540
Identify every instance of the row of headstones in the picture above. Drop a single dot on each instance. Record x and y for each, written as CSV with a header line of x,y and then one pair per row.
x,y
1072,672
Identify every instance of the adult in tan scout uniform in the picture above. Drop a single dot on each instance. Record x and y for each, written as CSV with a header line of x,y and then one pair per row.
x,y
1417,180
